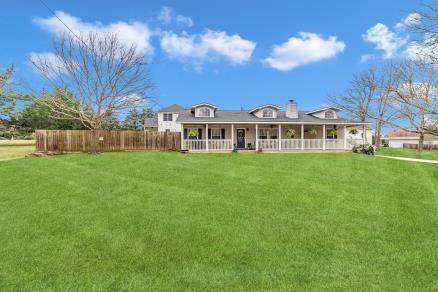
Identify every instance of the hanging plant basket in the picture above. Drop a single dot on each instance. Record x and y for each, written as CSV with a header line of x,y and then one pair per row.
x,y
193,133
333,132
353,131
312,132
290,133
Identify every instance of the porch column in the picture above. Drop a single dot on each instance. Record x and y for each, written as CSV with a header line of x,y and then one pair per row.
x,y
323,137
279,137
232,136
364,135
182,137
302,136
257,137
206,137
345,137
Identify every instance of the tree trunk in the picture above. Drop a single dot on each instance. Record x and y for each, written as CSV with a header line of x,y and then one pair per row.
x,y
420,143
377,135
93,142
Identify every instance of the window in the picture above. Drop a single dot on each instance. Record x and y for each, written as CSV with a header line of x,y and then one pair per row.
x,y
204,112
263,134
216,133
167,117
267,113
331,133
329,114
192,133
268,133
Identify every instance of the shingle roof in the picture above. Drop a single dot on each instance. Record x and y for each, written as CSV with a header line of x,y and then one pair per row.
x,y
242,116
174,108
151,122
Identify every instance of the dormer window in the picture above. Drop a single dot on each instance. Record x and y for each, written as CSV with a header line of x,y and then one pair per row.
x,y
204,112
267,113
329,114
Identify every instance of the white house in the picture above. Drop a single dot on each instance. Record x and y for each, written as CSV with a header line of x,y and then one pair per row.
x,y
205,127
397,138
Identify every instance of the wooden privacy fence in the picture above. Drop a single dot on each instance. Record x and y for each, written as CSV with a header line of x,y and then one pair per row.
x,y
102,141
425,146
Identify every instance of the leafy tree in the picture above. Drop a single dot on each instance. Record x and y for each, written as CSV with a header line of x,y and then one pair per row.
x,y
37,115
133,120
7,101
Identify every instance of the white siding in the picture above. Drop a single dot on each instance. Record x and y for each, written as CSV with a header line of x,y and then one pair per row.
x,y
321,115
398,143
259,113
359,135
198,109
167,125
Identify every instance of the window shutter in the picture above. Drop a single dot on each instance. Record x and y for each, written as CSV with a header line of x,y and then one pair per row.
x,y
185,133
209,133
199,133
223,133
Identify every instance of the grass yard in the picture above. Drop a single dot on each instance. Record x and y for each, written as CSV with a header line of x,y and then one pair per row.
x,y
410,153
12,149
166,221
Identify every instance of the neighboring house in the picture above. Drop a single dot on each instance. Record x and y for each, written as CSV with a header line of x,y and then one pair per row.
x,y
397,138
205,127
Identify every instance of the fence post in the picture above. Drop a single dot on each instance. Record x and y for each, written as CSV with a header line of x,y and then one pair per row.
x,y
45,141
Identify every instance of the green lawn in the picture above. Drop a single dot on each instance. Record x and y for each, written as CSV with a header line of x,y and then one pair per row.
x,y
410,153
167,221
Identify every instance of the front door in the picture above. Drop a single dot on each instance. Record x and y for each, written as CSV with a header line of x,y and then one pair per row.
x,y
240,138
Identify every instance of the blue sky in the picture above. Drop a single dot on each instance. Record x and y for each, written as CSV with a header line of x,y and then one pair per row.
x,y
231,53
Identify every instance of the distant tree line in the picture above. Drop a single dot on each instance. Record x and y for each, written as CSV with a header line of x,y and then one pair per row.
x,y
400,94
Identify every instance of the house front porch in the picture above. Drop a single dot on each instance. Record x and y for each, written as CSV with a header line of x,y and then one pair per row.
x,y
268,137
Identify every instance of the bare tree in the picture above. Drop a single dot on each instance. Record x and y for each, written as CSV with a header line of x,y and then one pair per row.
x,y
415,99
381,111
356,100
368,97
105,77
425,25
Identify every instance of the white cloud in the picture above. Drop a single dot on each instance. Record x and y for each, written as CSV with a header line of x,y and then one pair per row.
x,y
367,57
129,33
305,49
384,39
209,46
185,20
411,19
167,17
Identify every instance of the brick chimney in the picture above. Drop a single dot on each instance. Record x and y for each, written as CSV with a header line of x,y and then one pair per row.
x,y
292,109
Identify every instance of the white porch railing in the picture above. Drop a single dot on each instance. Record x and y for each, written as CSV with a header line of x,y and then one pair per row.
x,y
194,145
225,144
213,145
313,143
290,144
268,144
334,143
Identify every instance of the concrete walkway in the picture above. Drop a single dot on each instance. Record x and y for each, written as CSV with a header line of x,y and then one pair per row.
x,y
409,159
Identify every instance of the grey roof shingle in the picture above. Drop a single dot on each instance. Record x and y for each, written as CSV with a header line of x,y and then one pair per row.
x,y
151,122
174,108
242,116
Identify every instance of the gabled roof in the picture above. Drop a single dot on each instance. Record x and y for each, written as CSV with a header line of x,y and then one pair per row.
x,y
241,116
324,109
151,122
265,106
174,108
204,104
